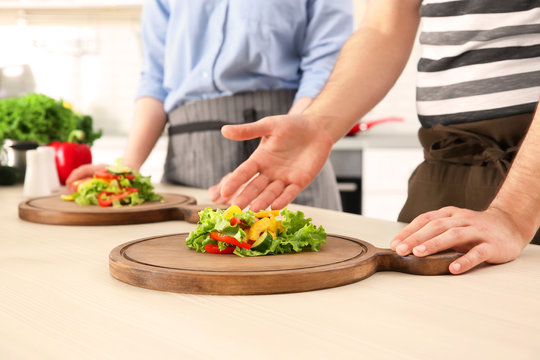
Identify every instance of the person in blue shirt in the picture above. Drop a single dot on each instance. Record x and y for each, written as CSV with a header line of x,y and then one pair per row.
x,y
215,62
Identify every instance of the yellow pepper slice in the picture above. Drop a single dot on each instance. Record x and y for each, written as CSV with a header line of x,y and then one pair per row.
x,y
232,211
258,228
267,213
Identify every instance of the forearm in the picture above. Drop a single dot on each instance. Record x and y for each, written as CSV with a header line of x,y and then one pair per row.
x,y
150,119
368,66
300,105
519,195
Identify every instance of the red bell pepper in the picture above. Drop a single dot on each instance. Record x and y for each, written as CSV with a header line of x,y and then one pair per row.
x,y
214,249
70,155
229,240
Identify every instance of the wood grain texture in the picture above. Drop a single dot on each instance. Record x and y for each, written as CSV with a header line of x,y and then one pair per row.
x,y
54,210
165,263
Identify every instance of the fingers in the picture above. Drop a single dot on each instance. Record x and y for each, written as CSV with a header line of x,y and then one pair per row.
x,y
419,222
286,197
250,131
255,187
239,177
472,258
440,233
267,196
215,191
81,172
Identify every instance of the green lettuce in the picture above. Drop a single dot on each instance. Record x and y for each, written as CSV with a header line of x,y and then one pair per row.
x,y
40,118
299,233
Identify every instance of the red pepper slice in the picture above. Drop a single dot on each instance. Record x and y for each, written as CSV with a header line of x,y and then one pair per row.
x,y
214,249
229,240
106,198
235,220
104,174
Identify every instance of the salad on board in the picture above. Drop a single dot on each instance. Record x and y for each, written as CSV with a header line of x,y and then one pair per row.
x,y
114,186
248,233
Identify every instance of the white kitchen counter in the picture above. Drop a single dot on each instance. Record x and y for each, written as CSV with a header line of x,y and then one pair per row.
x,y
374,140
58,301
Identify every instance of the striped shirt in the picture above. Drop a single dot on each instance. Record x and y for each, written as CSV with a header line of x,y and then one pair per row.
x,y
480,60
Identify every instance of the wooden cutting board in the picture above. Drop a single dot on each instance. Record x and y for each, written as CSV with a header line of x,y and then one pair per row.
x,y
54,210
165,263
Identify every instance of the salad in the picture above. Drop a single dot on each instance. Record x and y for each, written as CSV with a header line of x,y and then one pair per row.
x,y
114,186
246,233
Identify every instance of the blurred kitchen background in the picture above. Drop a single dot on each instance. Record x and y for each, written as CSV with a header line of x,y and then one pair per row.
x,y
87,52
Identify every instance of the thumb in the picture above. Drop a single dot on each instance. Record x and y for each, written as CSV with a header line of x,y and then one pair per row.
x,y
249,131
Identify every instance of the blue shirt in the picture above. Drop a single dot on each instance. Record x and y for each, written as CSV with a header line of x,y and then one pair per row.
x,y
199,49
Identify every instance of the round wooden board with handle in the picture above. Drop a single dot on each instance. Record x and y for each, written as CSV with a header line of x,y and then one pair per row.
x,y
165,263
54,210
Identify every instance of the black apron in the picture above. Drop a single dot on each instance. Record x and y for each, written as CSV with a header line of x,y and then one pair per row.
x,y
465,164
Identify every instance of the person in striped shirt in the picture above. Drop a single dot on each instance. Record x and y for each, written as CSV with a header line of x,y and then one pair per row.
x,y
478,87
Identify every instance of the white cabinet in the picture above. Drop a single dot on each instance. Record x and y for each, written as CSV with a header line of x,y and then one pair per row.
x,y
385,174
383,164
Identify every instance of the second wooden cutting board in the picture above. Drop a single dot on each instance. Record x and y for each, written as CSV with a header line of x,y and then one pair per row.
x,y
53,210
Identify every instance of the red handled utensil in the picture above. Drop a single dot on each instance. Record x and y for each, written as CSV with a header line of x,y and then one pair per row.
x,y
364,126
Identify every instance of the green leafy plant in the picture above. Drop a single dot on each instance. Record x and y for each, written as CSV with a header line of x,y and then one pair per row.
x,y
38,117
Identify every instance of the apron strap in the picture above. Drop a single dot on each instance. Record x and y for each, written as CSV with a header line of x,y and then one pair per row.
x,y
250,115
473,144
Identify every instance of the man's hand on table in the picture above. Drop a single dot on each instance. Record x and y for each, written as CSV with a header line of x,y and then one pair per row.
x,y
292,152
482,236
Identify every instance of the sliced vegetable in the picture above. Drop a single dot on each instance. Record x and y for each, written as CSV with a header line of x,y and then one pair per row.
x,y
259,227
229,240
106,198
232,211
267,213
214,249
118,169
263,243
104,174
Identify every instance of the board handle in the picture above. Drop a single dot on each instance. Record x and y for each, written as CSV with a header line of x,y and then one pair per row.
x,y
436,264
190,213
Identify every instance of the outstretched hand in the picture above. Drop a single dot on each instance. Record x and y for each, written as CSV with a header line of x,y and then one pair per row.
x,y
292,151
482,236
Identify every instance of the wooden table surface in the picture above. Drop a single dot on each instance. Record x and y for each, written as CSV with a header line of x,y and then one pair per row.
x,y
58,301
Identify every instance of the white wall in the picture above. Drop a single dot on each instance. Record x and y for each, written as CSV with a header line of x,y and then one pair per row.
x,y
91,58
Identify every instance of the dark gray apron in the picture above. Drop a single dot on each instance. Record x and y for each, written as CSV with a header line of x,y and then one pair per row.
x,y
465,164
199,156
